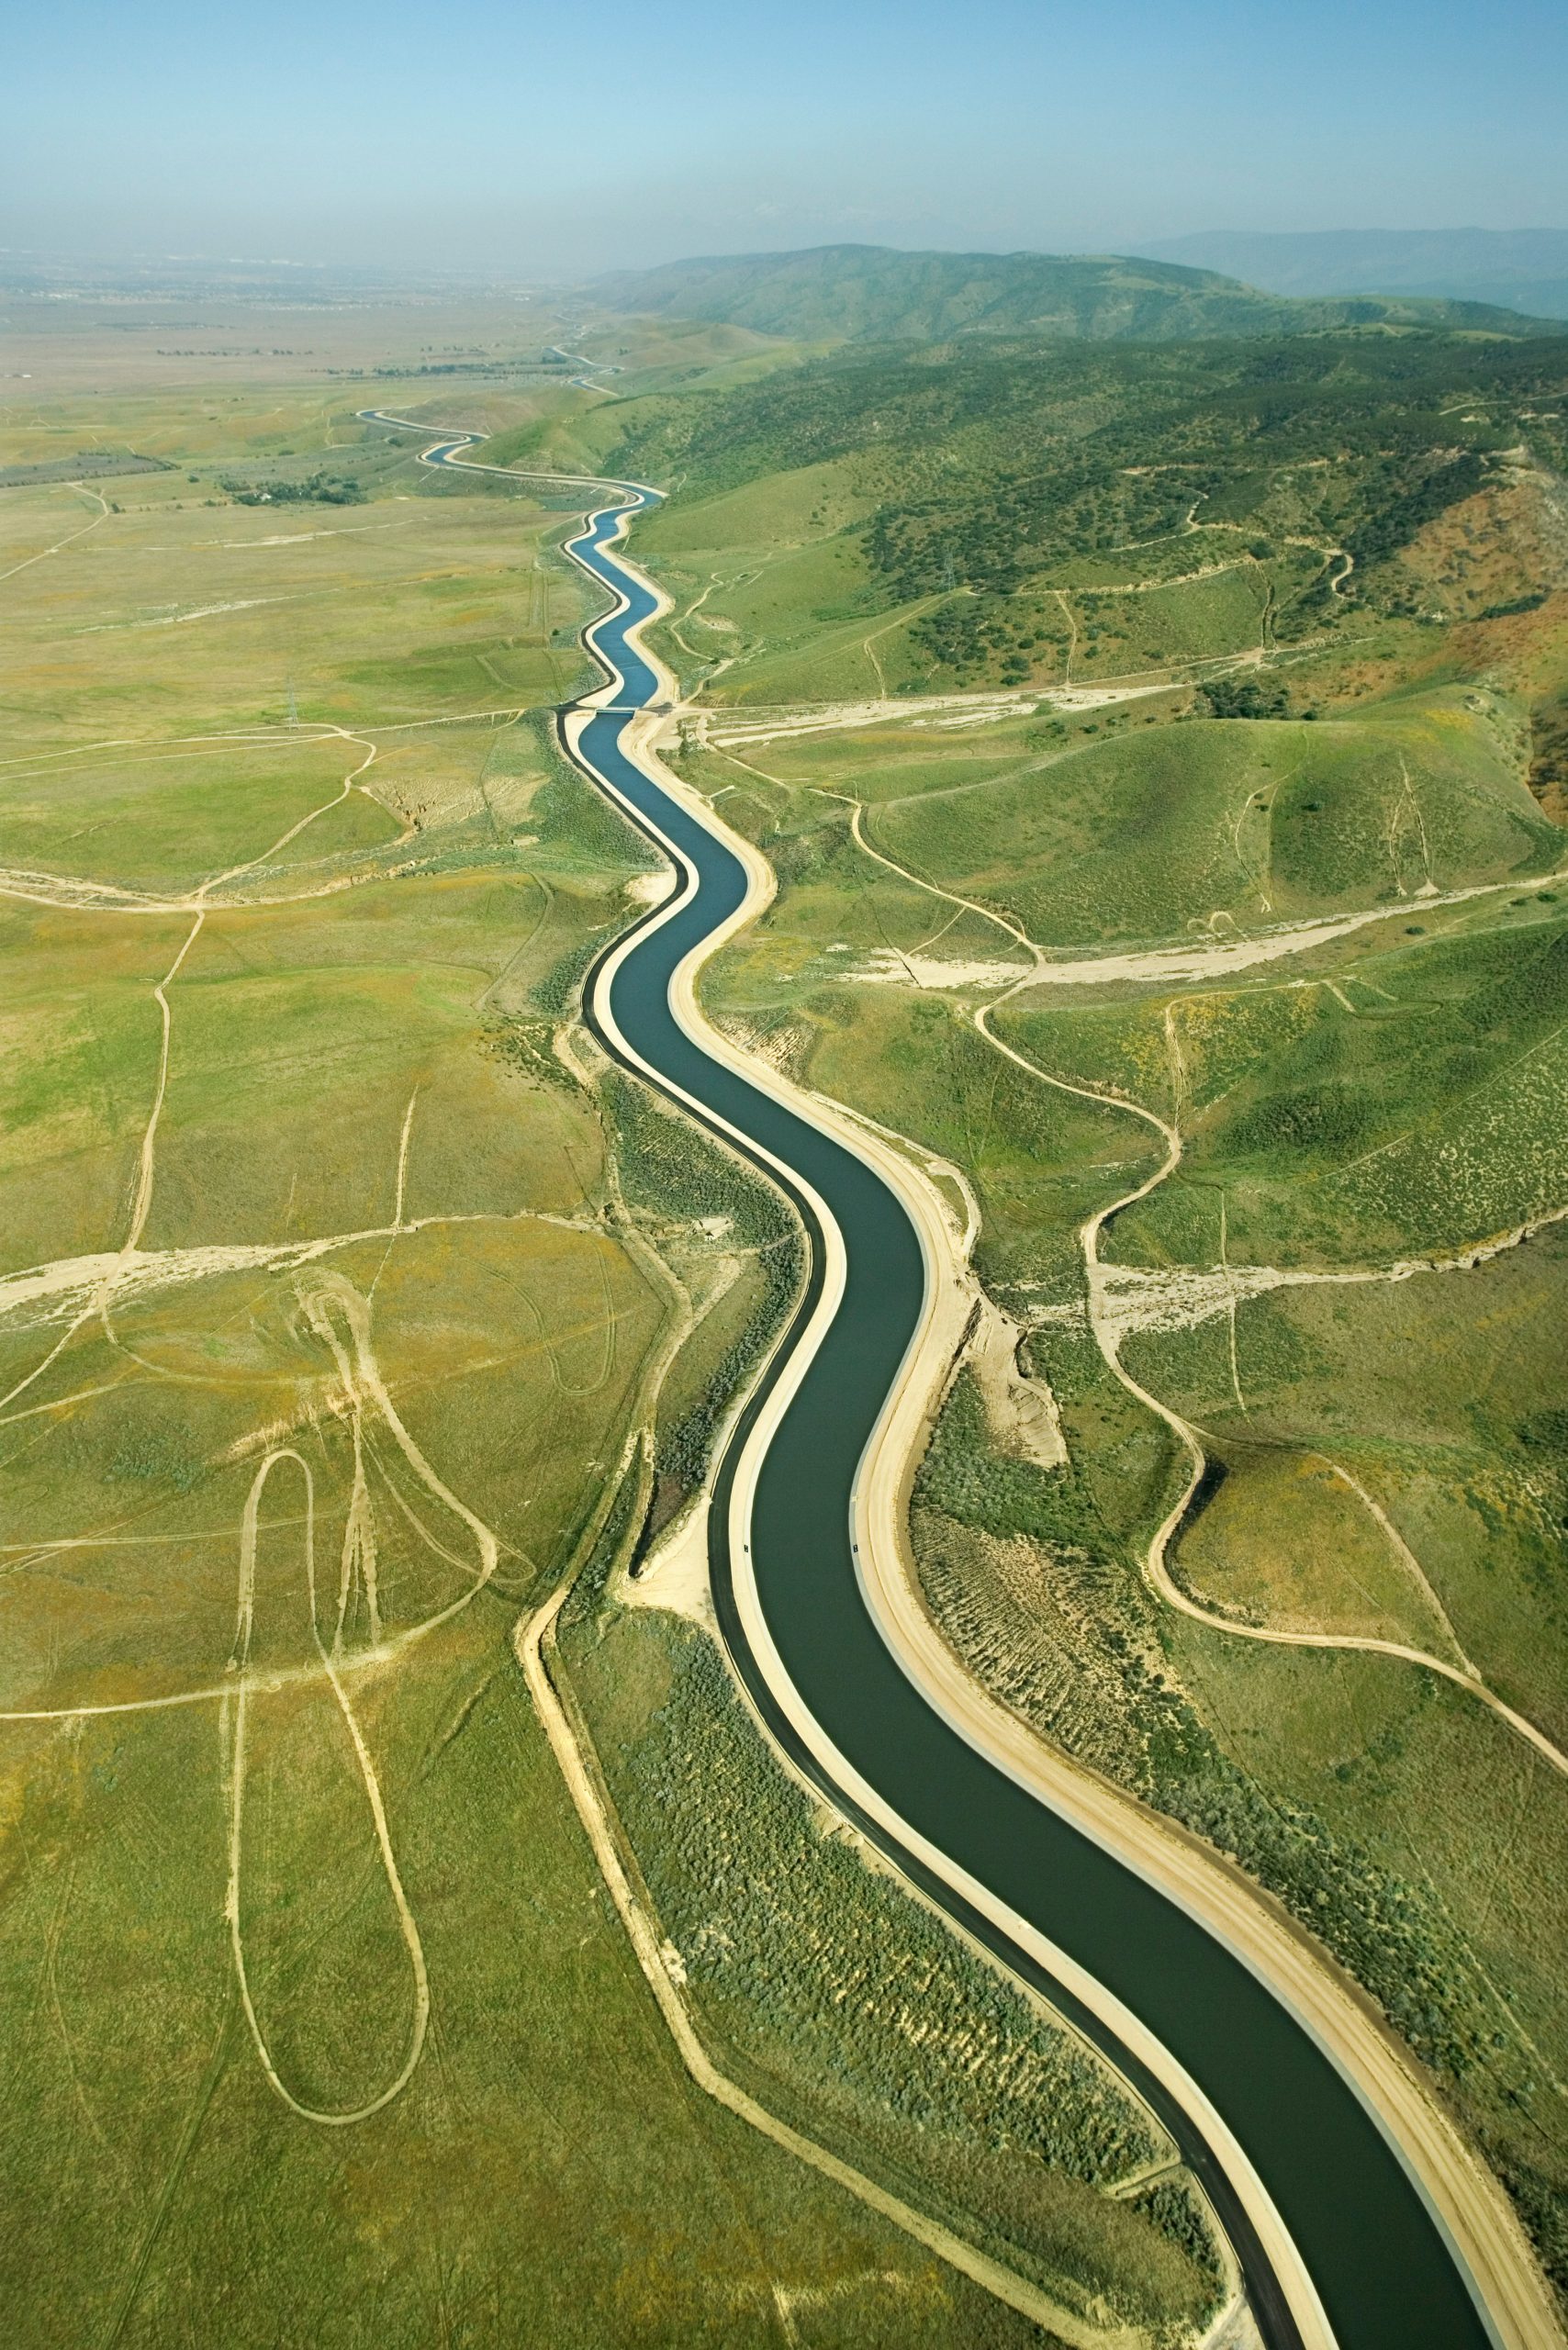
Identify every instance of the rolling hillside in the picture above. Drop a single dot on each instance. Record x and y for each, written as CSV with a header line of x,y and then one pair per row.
x,y
875,294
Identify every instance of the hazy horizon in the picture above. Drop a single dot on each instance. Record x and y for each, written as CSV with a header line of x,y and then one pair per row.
x,y
348,266
348,136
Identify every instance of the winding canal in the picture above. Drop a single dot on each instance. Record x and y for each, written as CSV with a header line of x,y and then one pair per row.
x,y
1384,2268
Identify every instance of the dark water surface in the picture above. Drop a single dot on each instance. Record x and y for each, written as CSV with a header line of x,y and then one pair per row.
x,y
1386,2275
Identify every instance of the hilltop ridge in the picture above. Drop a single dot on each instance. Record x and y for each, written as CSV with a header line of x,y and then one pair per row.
x,y
878,292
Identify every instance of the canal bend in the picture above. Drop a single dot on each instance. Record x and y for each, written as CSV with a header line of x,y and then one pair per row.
x,y
1382,2264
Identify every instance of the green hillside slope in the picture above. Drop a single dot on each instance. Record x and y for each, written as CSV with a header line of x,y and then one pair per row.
x,y
875,294
1000,512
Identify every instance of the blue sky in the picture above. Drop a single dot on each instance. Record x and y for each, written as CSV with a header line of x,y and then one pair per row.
x,y
563,138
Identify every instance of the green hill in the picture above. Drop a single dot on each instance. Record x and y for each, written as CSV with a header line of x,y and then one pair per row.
x,y
979,478
875,294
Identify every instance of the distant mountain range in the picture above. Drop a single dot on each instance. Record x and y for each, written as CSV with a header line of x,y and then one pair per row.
x,y
877,294
1523,269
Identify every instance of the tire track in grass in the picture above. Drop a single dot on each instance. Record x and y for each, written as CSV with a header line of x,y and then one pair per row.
x,y
233,1726
1108,1340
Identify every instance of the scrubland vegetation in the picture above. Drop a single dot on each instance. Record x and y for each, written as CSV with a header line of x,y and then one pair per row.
x,y
875,294
682,1179
850,2011
1002,512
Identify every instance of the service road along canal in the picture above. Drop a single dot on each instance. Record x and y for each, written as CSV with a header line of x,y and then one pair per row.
x,y
1339,2239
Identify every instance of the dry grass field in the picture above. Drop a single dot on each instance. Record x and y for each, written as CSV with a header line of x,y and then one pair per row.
x,y
331,1302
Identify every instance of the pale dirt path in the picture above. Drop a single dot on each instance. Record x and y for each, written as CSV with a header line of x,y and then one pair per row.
x,y
166,747
1152,586
690,614
912,962
349,782
71,536
233,1718
1110,1322
1137,1297
724,724
75,894
1070,617
340,1317
1153,965
194,612
64,893
46,1292
142,1204
1472,2206
361,1393
1400,1548
255,738
98,1302
968,906
1186,963
275,539
1108,1332
899,620
1327,555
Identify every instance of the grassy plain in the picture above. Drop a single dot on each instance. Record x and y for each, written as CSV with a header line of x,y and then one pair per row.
x,y
175,617
328,1303
370,1255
